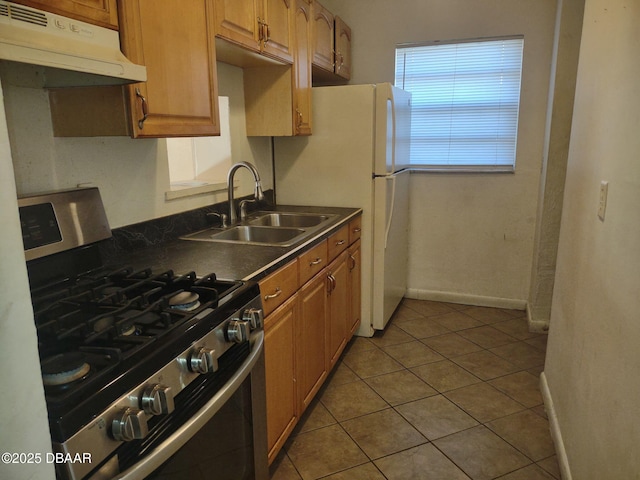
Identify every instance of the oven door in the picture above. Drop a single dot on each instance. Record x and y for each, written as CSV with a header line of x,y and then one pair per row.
x,y
225,439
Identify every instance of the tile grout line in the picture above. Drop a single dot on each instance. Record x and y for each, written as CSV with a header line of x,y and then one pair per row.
x,y
445,357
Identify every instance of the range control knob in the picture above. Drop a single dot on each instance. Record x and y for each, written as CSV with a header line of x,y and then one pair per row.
x,y
238,331
202,360
157,400
255,317
129,424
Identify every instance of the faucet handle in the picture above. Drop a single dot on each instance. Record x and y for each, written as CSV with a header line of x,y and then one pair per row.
x,y
222,217
243,207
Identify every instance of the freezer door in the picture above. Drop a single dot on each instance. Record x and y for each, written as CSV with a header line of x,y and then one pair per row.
x,y
391,224
392,129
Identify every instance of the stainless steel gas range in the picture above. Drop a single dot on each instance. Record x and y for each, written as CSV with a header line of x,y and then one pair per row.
x,y
146,374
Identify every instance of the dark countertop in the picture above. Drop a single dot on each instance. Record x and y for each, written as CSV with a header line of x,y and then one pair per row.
x,y
231,261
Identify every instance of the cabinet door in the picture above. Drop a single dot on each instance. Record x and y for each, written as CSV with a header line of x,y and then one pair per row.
x,y
237,21
180,96
311,365
278,29
338,294
355,295
97,12
279,359
322,37
302,69
343,49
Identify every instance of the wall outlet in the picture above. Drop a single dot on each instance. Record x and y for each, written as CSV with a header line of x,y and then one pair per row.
x,y
602,205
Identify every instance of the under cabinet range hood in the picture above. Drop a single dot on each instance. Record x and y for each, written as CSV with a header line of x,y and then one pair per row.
x,y
63,46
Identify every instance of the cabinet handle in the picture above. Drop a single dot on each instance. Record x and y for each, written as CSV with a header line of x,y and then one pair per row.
x,y
353,262
277,293
317,261
331,283
338,67
264,33
357,230
260,30
145,108
300,120
340,242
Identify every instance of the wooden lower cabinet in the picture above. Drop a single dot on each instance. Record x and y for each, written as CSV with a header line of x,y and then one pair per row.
x,y
355,295
311,339
338,298
280,364
307,329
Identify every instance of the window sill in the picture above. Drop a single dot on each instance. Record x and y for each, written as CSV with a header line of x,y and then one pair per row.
x,y
462,169
192,188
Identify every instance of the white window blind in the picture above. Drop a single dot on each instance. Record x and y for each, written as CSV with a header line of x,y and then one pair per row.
x,y
465,101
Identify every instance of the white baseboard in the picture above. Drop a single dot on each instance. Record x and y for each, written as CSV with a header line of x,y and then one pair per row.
x,y
554,426
537,325
478,300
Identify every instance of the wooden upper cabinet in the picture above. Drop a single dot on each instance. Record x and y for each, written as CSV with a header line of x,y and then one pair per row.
x,y
277,38
302,69
322,37
277,98
237,21
263,26
98,12
331,40
177,46
342,49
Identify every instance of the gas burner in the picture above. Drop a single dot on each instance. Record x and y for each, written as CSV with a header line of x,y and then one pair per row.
x,y
103,324
64,368
185,301
132,330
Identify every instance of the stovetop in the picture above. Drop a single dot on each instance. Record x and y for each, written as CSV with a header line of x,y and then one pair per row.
x,y
102,331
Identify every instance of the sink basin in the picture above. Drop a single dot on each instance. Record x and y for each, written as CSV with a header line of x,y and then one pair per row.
x,y
281,229
249,234
288,219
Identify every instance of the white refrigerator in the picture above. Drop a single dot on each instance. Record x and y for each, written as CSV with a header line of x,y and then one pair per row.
x,y
357,157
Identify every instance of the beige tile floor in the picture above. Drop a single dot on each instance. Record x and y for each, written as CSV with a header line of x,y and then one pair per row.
x,y
447,392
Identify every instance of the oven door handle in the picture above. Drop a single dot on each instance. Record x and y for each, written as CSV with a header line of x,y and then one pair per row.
x,y
171,445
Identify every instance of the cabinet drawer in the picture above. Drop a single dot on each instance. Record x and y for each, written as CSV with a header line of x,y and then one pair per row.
x,y
355,229
278,287
311,262
338,242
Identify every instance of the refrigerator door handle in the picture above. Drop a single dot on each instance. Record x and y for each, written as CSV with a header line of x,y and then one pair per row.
x,y
392,179
392,106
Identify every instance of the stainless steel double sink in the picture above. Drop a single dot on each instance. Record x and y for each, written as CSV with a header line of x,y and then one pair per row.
x,y
281,229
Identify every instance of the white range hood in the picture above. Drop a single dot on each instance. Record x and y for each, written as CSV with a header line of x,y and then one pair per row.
x,y
35,37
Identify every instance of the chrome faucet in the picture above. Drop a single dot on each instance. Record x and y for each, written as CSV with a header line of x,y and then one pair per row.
x,y
257,193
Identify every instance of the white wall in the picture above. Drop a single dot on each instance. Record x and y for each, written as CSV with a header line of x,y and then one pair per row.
x,y
471,236
23,416
593,357
133,175
556,153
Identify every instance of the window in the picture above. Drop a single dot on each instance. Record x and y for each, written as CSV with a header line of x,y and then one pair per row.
x,y
465,101
200,164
